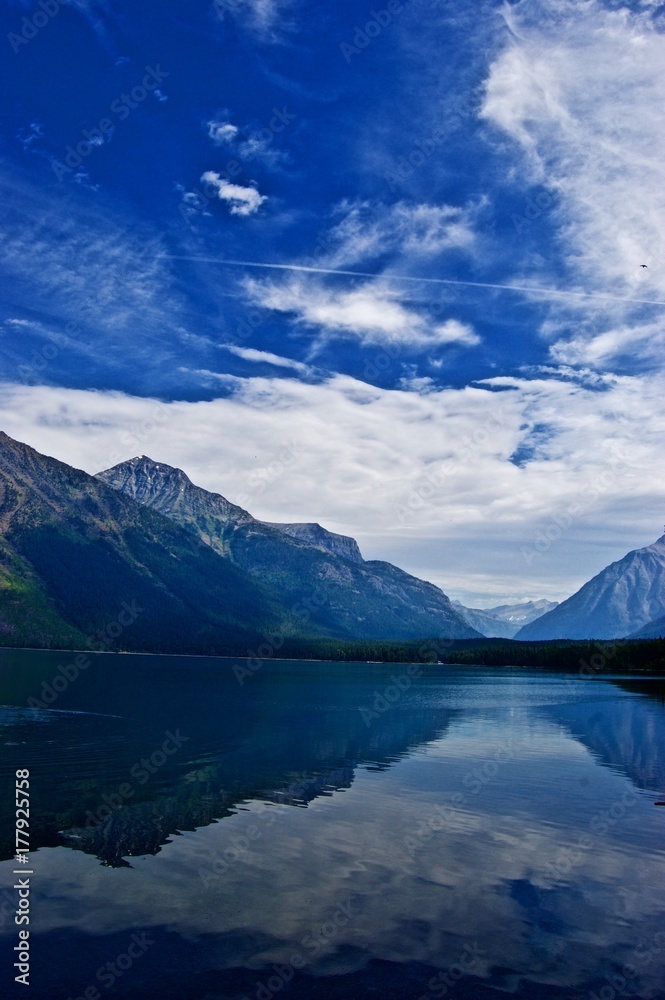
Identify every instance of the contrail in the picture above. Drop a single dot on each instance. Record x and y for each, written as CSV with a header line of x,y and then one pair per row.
x,y
530,290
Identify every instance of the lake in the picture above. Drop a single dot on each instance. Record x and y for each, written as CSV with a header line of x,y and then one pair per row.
x,y
332,830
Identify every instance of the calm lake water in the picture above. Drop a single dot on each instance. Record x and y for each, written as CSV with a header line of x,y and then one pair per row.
x,y
333,831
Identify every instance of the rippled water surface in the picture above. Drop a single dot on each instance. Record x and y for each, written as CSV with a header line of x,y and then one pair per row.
x,y
333,831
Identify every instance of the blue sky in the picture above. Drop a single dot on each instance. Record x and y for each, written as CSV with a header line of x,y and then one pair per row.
x,y
454,356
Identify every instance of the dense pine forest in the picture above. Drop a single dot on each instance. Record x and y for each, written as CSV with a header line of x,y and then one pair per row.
x,y
588,657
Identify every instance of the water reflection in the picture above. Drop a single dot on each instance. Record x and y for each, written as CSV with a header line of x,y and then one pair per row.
x,y
496,824
293,733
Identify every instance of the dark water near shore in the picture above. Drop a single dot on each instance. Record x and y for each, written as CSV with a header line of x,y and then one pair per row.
x,y
333,831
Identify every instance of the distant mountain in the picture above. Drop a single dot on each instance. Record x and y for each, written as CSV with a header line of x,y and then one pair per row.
x,y
485,622
505,620
523,613
619,601
83,565
653,630
322,576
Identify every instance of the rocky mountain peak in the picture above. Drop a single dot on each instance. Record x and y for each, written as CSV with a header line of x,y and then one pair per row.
x,y
144,479
167,489
147,466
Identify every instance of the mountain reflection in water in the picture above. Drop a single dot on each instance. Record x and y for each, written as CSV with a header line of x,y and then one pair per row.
x,y
499,822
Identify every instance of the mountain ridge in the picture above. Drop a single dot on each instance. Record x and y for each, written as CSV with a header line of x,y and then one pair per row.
x,y
350,597
314,534
71,545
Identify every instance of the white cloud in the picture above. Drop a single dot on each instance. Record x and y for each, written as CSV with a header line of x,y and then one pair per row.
x,y
266,357
370,313
22,323
424,477
241,200
222,132
376,312
247,143
454,332
417,383
642,342
580,90
207,377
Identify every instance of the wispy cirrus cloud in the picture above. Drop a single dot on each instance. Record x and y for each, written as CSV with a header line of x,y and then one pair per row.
x,y
30,134
267,19
579,88
90,275
98,14
71,260
367,230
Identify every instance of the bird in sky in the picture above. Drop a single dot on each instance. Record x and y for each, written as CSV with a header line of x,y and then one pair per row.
x,y
644,265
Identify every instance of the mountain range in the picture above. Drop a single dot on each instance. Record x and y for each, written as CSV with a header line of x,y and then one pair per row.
x,y
139,558
505,620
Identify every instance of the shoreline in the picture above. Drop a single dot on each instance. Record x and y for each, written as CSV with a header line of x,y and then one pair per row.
x,y
626,671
